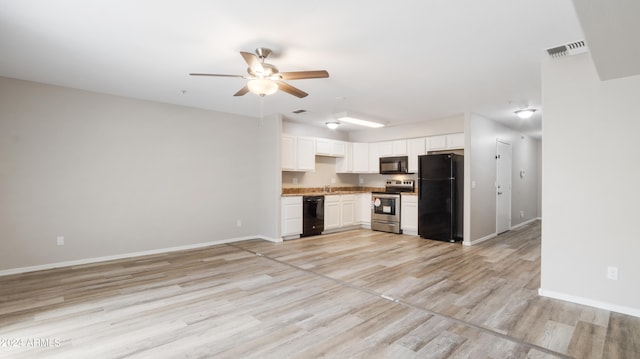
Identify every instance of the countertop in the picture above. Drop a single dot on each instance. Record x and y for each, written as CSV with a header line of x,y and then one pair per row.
x,y
290,192
319,191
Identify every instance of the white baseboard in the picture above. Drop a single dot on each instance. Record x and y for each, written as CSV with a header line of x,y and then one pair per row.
x,y
525,223
479,240
128,255
590,302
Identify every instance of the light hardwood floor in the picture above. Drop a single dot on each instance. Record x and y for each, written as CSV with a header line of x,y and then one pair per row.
x,y
354,294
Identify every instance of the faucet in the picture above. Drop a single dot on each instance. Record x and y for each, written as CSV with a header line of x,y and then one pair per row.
x,y
327,188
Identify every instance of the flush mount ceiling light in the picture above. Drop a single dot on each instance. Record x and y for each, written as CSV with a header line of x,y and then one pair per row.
x,y
332,124
262,87
525,113
342,117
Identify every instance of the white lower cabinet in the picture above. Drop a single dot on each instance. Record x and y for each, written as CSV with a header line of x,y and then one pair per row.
x,y
339,211
331,212
409,214
363,209
291,214
347,210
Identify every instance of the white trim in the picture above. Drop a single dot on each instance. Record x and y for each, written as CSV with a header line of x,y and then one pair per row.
x,y
479,240
590,302
274,240
128,255
524,223
504,142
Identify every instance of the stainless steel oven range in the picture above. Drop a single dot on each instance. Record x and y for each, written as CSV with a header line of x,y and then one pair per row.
x,y
385,206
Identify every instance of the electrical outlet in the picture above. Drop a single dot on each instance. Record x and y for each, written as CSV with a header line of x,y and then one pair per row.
x,y
60,240
612,273
361,181
295,180
333,180
239,223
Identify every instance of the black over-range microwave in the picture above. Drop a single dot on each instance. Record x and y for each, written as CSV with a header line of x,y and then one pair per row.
x,y
394,165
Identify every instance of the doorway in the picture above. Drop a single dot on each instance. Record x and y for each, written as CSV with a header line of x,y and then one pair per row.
x,y
503,186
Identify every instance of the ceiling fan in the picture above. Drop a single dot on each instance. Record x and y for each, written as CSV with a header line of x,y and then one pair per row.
x,y
265,79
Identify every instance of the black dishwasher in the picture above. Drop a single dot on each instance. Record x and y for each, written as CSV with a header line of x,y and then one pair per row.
x,y
313,215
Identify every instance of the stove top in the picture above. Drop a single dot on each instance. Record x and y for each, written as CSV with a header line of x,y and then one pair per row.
x,y
398,186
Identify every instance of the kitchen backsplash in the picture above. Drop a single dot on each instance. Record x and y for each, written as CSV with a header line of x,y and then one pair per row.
x,y
325,174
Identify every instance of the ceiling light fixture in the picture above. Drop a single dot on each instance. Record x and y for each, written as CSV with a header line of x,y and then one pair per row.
x,y
262,87
525,113
332,124
356,121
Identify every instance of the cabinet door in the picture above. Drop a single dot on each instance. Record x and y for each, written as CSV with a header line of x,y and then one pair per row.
x,y
345,164
360,157
416,148
455,141
409,214
291,212
306,154
324,147
347,210
331,212
385,149
363,208
374,158
436,143
339,149
399,148
288,153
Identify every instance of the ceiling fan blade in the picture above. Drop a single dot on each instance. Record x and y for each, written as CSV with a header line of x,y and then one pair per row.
x,y
253,62
299,75
218,75
243,91
291,90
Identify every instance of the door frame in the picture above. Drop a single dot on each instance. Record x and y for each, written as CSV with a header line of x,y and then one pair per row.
x,y
504,142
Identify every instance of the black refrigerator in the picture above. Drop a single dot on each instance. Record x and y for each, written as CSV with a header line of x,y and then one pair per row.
x,y
440,196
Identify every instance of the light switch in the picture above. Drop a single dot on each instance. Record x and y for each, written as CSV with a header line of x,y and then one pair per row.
x,y
473,184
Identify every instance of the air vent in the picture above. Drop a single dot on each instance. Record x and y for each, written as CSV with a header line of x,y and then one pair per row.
x,y
299,111
571,49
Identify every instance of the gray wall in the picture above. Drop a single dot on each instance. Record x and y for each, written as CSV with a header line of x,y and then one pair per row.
x,y
480,157
589,182
116,175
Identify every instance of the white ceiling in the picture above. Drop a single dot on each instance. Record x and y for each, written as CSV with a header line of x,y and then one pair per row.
x,y
392,61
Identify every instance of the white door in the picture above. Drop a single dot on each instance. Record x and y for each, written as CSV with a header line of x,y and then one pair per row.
x,y
503,187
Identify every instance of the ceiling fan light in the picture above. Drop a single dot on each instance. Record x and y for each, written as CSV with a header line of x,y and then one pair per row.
x,y
332,124
525,113
262,87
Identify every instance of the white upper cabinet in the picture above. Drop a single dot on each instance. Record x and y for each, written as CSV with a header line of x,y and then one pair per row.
x,y
332,148
445,142
345,164
356,159
436,143
360,157
393,148
297,153
374,157
455,141
288,153
306,154
416,147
